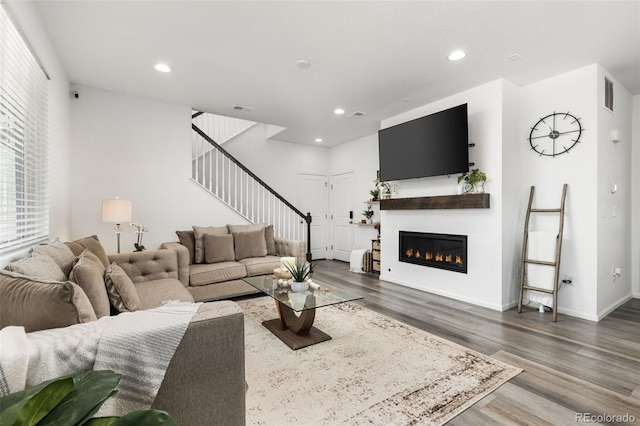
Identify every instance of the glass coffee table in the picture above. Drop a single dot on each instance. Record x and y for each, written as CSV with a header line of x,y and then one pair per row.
x,y
297,331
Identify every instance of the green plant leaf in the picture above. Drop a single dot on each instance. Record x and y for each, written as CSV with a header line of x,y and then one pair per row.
x,y
91,389
11,405
146,418
40,404
101,421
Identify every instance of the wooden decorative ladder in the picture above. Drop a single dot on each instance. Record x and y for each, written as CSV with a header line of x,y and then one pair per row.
x,y
524,284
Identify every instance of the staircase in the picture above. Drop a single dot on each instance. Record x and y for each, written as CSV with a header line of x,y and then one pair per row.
x,y
219,173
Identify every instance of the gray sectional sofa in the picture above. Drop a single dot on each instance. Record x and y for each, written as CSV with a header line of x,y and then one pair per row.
x,y
61,284
213,260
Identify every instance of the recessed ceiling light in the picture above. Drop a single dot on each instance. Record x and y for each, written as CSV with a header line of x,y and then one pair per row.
x,y
514,57
456,55
162,68
303,63
318,140
338,111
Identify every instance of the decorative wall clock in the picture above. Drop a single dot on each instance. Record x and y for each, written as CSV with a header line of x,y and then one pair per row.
x,y
555,134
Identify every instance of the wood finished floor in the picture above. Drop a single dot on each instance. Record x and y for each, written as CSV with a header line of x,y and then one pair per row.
x,y
571,366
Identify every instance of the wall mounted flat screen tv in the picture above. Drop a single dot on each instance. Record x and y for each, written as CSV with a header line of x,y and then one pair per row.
x,y
433,145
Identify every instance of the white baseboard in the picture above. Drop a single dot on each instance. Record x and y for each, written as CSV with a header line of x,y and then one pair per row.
x,y
612,307
454,296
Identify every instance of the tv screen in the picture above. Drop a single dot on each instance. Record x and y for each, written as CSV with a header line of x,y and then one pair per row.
x,y
433,145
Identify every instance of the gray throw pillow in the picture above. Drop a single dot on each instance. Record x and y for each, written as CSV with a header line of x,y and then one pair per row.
x,y
88,273
218,248
250,244
60,253
92,244
40,305
121,290
269,238
38,266
188,239
198,233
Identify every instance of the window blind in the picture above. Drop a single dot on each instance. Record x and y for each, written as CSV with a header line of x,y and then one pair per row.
x,y
24,196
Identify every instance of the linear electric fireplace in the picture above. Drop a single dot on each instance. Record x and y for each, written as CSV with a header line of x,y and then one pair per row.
x,y
442,251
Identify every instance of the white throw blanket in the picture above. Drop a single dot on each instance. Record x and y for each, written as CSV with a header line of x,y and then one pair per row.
x,y
355,260
542,246
138,345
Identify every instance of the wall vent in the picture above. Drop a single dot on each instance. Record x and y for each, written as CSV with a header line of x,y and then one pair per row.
x,y
608,94
356,114
242,108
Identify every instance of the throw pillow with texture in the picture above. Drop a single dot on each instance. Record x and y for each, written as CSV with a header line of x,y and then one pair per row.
x,y
198,233
121,290
88,273
38,266
247,227
188,239
92,244
269,238
218,248
40,304
60,253
250,244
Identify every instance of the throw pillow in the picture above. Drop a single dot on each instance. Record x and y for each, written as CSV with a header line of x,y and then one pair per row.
x,y
92,244
188,239
40,304
270,240
198,233
60,253
120,289
38,266
218,248
245,228
88,273
250,244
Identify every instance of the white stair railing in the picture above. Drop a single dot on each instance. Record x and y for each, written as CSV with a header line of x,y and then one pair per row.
x,y
220,174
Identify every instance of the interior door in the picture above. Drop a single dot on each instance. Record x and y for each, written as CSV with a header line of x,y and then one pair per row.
x,y
342,216
312,195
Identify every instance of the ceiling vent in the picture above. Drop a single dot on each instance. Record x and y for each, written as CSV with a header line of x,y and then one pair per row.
x,y
356,114
242,108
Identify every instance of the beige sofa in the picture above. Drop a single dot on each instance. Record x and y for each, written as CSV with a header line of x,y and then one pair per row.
x,y
213,260
205,380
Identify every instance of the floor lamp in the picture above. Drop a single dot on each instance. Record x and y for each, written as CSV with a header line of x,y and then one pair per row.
x,y
116,211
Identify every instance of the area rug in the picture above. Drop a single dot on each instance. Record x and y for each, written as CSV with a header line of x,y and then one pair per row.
x,y
375,371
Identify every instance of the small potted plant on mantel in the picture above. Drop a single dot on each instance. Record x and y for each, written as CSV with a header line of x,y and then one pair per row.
x,y
473,181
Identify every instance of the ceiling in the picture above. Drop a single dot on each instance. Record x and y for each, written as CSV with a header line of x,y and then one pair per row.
x,y
365,56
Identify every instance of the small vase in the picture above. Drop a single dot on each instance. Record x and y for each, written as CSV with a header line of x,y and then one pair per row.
x,y
299,286
479,188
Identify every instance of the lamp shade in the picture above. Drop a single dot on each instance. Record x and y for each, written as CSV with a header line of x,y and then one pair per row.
x,y
116,211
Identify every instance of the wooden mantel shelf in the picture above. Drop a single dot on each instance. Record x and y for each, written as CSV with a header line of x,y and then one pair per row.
x,y
466,201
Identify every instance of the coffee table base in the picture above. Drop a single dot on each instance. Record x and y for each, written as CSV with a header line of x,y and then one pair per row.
x,y
295,341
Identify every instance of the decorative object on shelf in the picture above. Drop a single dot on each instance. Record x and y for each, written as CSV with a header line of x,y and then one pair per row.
x,y
385,190
299,271
140,230
375,194
564,131
116,211
368,213
472,181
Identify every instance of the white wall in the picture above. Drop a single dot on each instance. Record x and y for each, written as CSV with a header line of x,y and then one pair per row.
x,y
575,92
27,20
635,194
138,149
361,158
483,283
614,220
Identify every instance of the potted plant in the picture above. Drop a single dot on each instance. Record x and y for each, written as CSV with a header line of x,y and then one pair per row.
x,y
473,181
299,273
375,193
368,213
385,190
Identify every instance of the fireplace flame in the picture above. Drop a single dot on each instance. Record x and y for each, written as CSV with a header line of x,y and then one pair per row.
x,y
438,257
